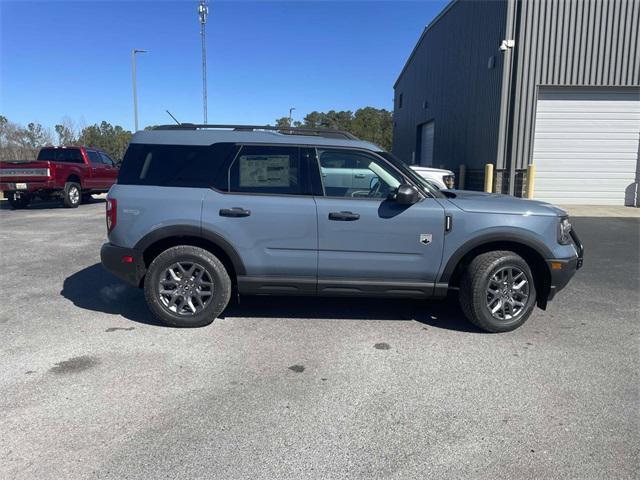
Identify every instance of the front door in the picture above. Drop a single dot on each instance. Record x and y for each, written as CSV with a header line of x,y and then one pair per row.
x,y
366,240
269,216
110,171
97,179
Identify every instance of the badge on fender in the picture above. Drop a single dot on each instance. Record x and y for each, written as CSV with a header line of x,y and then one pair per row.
x,y
425,238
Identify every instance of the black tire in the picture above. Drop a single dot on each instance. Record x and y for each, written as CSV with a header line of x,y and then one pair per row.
x,y
18,202
474,296
221,286
72,195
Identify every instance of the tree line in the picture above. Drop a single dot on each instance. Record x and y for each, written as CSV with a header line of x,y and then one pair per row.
x,y
19,142
371,124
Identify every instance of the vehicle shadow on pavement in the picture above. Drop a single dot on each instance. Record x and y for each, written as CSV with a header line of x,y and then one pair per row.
x,y
93,288
48,204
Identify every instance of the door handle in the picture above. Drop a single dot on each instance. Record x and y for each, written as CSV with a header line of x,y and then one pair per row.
x,y
359,175
234,212
344,216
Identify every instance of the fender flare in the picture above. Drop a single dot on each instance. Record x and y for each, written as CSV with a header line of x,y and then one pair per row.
x,y
192,231
491,237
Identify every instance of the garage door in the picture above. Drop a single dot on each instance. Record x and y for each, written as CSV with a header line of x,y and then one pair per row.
x,y
586,145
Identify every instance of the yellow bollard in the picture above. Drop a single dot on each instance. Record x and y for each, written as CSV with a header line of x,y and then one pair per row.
x,y
461,176
488,177
531,180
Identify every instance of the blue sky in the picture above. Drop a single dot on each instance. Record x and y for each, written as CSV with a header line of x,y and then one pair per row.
x,y
61,58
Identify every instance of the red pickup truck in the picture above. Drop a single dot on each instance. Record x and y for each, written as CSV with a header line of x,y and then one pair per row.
x,y
69,173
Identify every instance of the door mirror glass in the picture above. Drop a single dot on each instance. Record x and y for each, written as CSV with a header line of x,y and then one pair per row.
x,y
406,194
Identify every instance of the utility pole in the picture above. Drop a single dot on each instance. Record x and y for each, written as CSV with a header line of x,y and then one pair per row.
x,y
135,90
203,11
290,117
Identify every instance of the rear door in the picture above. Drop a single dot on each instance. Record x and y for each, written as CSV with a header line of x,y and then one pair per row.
x,y
267,213
368,243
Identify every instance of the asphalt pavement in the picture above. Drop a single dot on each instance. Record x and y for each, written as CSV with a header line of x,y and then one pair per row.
x,y
280,388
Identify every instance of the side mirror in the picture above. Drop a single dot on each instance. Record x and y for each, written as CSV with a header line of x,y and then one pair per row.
x,y
407,194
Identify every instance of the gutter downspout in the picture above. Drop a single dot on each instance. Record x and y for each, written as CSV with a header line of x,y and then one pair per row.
x,y
508,72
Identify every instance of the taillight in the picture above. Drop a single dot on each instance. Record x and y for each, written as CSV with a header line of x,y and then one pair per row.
x,y
112,214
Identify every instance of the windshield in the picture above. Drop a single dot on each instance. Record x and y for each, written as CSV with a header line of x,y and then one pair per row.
x,y
404,168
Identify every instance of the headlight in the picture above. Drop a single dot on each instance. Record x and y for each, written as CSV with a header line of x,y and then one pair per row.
x,y
564,231
449,180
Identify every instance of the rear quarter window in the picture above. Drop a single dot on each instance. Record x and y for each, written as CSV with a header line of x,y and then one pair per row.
x,y
197,166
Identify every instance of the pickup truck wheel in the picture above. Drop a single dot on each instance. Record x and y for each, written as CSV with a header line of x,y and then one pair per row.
x,y
187,286
17,202
497,291
72,195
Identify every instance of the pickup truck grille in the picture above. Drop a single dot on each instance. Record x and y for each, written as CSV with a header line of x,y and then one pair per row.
x,y
24,172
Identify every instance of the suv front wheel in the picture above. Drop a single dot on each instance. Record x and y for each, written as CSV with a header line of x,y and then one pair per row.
x,y
497,291
187,286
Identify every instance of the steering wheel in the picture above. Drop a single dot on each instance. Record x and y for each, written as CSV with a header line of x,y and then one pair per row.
x,y
376,187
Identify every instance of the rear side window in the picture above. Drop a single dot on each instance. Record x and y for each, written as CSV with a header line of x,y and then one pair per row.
x,y
177,165
268,170
70,155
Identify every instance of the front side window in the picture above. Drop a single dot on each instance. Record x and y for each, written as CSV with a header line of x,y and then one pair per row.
x,y
106,159
94,158
350,173
267,170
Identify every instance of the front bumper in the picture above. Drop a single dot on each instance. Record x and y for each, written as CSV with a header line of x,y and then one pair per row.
x,y
563,270
113,260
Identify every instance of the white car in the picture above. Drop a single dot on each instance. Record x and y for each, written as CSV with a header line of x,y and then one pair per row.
x,y
443,179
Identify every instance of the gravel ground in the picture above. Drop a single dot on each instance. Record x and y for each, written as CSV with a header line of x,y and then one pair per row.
x,y
92,387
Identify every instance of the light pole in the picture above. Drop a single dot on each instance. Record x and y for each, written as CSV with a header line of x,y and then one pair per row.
x,y
135,90
203,11
290,116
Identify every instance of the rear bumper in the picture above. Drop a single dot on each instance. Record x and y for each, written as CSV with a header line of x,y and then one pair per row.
x,y
112,258
31,186
563,269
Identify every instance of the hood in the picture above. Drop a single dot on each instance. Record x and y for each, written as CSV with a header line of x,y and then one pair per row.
x,y
418,168
481,202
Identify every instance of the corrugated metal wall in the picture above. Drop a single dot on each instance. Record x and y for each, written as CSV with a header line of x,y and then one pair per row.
x,y
570,42
449,70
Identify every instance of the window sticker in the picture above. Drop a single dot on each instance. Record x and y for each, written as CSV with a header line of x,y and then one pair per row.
x,y
264,171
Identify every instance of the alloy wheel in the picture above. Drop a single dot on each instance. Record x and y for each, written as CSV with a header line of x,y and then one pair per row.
x,y
185,288
507,293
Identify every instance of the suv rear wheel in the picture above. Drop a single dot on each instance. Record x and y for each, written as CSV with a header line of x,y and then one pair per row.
x,y
187,286
497,291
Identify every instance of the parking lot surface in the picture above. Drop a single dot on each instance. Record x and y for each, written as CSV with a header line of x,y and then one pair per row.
x,y
92,387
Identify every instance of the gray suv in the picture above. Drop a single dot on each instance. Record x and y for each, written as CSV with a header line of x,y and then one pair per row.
x,y
201,211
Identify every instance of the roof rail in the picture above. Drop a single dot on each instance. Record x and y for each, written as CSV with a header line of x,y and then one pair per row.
x,y
320,132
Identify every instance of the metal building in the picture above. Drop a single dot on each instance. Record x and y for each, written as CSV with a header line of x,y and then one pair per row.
x,y
554,83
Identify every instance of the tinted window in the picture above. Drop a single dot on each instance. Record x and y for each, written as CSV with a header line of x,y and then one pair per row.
x,y
106,159
94,158
71,155
268,169
177,165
